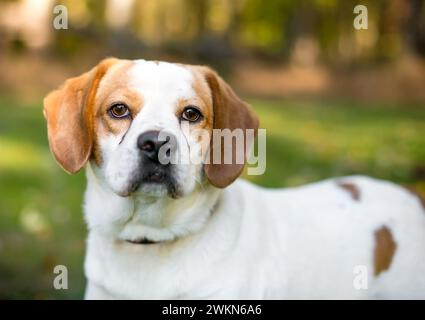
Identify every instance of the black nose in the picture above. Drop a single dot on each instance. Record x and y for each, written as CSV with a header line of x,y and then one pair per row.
x,y
150,144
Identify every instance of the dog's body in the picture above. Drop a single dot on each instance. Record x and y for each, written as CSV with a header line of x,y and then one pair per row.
x,y
305,242
190,231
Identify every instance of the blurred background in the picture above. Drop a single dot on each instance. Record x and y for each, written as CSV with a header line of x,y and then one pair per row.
x,y
334,100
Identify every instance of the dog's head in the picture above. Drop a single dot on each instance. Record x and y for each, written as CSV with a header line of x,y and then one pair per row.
x,y
139,122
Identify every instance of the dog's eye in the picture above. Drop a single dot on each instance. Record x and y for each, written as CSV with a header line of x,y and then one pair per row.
x,y
191,113
119,111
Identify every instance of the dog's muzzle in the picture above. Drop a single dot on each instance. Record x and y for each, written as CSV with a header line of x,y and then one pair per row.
x,y
157,150
153,150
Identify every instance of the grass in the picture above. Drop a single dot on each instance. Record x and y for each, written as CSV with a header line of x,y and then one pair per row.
x,y
41,222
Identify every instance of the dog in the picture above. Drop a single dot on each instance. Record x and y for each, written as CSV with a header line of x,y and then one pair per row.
x,y
196,231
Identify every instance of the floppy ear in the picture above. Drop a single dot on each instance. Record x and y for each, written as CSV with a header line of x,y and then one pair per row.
x,y
69,114
229,112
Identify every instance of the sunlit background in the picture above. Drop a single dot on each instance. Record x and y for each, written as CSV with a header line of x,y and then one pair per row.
x,y
334,100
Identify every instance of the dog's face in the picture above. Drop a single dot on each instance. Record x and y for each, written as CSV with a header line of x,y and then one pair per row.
x,y
146,126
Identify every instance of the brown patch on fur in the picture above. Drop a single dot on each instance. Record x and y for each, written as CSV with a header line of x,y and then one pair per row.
x,y
114,89
418,194
203,101
352,189
204,98
229,112
70,117
385,248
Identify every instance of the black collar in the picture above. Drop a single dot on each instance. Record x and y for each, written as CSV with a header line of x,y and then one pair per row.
x,y
143,241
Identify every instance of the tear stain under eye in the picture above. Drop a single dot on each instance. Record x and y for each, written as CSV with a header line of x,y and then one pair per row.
x,y
124,135
185,138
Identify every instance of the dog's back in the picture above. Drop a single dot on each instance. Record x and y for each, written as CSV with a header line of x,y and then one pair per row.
x,y
353,237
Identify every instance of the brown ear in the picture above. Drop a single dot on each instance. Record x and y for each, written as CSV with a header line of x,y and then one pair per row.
x,y
230,112
69,114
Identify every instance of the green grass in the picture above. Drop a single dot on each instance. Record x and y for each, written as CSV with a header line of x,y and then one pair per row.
x,y
309,141
41,222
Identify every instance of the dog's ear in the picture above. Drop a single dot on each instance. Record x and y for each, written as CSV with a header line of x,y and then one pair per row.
x,y
229,112
70,117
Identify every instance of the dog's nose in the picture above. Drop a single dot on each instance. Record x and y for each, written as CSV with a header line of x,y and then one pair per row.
x,y
150,144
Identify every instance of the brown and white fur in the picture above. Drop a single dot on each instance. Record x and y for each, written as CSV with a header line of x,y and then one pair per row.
x,y
198,232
